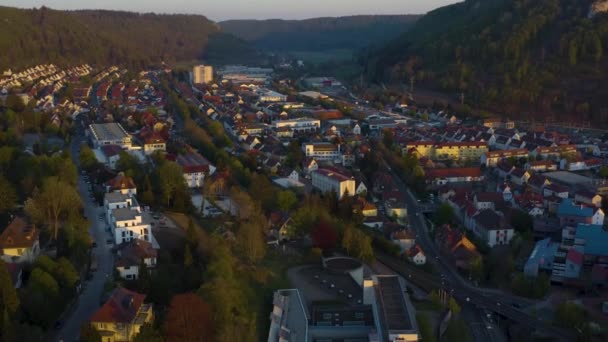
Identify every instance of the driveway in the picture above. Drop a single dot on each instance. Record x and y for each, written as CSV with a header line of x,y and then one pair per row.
x,y
88,301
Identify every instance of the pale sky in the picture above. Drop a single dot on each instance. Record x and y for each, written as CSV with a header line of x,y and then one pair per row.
x,y
246,9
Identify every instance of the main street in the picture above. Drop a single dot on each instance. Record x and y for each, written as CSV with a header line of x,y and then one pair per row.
x,y
89,299
490,299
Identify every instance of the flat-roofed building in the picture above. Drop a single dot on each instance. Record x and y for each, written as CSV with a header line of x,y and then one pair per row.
x,y
321,151
128,224
202,74
327,180
110,134
396,314
298,124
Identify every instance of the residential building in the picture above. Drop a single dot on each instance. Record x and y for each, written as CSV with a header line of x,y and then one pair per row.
x,y
195,167
128,224
153,143
459,249
589,198
122,184
492,158
572,214
202,74
298,124
19,242
110,134
492,228
122,316
471,150
326,180
322,151
453,175
541,258
131,255
416,255
404,238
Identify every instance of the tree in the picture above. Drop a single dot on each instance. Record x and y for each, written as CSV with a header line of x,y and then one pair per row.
x,y
9,301
89,334
143,277
522,222
569,315
87,158
286,200
426,330
171,181
250,238
324,236
603,172
454,307
147,333
8,195
444,215
55,202
189,319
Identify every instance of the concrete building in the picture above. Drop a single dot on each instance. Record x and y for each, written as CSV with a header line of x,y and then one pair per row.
x,y
326,180
202,74
392,308
322,151
298,124
128,224
110,134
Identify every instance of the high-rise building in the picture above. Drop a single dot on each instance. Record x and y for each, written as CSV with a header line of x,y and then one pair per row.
x,y
202,74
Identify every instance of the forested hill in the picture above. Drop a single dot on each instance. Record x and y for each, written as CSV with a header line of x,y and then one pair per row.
x,y
29,36
516,57
316,34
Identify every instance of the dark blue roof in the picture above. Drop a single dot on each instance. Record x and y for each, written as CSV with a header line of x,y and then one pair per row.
x,y
567,208
596,239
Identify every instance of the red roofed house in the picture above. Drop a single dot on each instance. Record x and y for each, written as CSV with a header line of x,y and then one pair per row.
x,y
19,242
154,142
122,316
454,243
416,255
327,180
574,264
195,166
123,184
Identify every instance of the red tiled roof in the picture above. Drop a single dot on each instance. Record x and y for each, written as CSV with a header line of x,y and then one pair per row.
x,y
19,234
120,182
575,256
453,172
122,307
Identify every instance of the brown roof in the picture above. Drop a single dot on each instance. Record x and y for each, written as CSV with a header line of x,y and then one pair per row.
x,y
122,307
120,182
131,253
19,234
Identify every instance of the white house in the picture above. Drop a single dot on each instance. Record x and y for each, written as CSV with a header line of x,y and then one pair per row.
x,y
327,180
416,255
128,224
195,167
130,255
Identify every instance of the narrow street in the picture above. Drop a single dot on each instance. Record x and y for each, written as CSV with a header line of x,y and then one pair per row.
x,y
89,299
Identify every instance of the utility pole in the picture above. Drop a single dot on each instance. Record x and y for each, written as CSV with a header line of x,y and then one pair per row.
x,y
462,98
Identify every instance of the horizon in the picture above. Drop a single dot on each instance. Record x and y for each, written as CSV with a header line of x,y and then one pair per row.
x,y
261,10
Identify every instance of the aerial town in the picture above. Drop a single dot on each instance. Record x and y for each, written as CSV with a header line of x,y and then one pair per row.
x,y
345,176
380,223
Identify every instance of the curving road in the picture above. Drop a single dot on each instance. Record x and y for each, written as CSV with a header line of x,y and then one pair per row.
x,y
490,299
